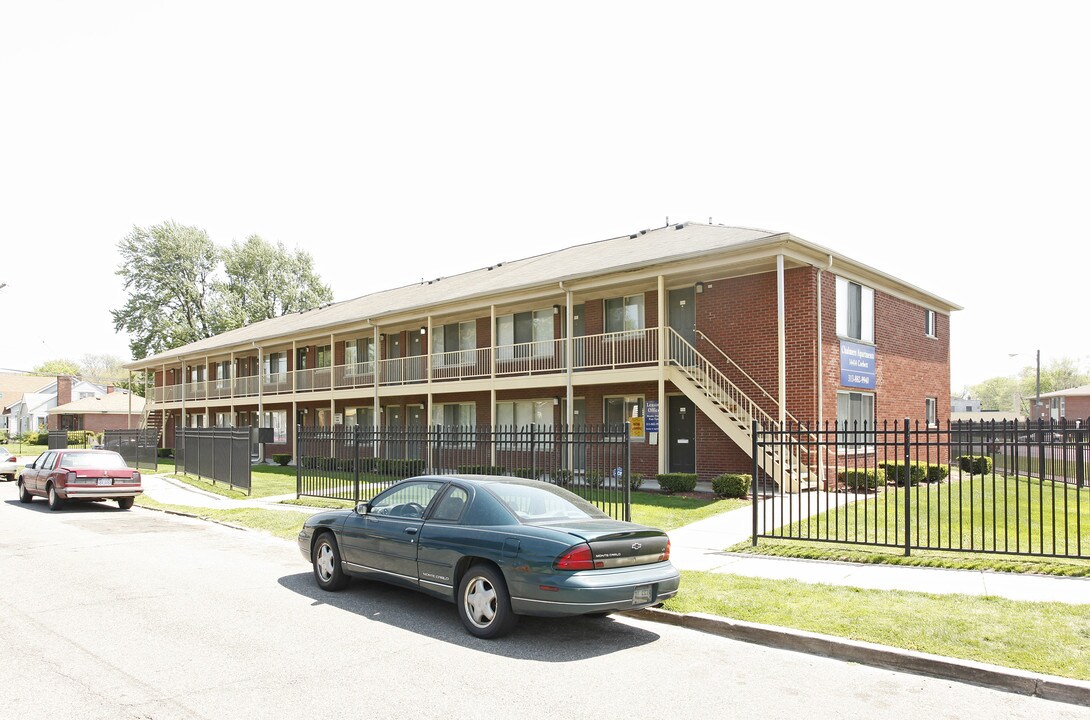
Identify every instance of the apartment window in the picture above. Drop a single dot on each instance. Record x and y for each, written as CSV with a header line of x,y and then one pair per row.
x,y
301,359
524,334
223,373
276,366
452,414
449,339
196,374
855,418
362,416
624,313
854,311
929,323
931,410
278,421
223,419
359,356
623,409
520,413
196,420
325,356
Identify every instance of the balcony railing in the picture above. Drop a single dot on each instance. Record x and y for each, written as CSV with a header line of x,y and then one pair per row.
x,y
628,348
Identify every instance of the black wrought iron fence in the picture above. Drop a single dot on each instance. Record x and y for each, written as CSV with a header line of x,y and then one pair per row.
x,y
220,454
140,448
356,463
1011,487
57,440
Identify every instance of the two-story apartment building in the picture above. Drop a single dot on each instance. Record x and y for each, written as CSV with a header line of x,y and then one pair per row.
x,y
689,332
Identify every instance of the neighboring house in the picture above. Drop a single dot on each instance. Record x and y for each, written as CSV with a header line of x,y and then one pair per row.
x,y
116,410
964,405
31,411
690,332
1073,403
13,386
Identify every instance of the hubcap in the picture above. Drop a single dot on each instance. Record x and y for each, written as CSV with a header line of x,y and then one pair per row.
x,y
52,496
480,602
324,562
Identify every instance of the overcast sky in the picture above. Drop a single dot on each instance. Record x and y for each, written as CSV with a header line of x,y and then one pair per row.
x,y
942,142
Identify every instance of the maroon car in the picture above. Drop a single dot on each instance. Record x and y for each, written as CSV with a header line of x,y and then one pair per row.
x,y
62,475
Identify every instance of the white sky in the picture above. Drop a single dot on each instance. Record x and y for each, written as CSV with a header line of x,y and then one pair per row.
x,y
942,142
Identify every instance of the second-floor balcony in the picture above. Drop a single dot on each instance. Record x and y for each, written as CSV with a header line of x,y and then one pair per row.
x,y
628,348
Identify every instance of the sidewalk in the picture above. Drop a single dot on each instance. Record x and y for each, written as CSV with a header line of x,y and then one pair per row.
x,y
174,492
699,546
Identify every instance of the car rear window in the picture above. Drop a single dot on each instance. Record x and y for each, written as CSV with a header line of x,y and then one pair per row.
x,y
104,460
531,503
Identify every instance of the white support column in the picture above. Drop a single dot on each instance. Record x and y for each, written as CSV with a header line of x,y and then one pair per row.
x,y
569,355
293,423
261,398
232,385
128,420
781,340
332,367
662,446
427,362
820,378
376,376
492,383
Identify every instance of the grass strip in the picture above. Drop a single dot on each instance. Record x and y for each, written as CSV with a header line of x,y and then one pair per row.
x,y
281,523
667,512
1052,638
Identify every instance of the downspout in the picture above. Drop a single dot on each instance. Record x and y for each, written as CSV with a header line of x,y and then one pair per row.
x,y
663,404
260,397
781,341
569,359
821,350
492,379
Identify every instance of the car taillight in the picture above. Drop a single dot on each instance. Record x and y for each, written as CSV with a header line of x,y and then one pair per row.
x,y
576,558
136,479
10,459
71,478
665,553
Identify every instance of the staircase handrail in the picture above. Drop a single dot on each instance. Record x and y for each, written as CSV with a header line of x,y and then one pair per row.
x,y
787,413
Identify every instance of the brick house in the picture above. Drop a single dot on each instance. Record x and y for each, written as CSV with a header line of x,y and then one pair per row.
x,y
30,412
689,331
115,410
1073,403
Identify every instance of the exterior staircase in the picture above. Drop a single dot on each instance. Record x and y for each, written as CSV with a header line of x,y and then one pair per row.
x,y
733,412
152,420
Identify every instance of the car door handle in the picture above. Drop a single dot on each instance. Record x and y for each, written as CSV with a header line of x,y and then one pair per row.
x,y
411,531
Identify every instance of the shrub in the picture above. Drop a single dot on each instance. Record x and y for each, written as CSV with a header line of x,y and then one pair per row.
x,y
975,464
527,473
482,470
281,459
732,485
594,478
635,480
914,472
563,478
861,480
166,452
677,482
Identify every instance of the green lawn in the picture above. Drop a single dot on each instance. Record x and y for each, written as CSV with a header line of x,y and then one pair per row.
x,y
25,450
281,523
1051,638
667,512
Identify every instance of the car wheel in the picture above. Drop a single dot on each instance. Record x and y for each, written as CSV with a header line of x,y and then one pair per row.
x,y
327,564
24,494
484,603
125,503
56,502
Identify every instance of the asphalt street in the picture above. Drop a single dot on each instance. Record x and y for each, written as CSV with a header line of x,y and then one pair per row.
x,y
113,614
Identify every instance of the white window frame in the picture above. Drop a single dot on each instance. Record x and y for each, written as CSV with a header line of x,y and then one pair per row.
x,y
846,290
518,414
931,411
467,335
633,316
221,417
466,411
855,438
278,421
929,323
542,334
629,402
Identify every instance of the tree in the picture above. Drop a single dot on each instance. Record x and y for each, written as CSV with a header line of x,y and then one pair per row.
x,y
1059,374
266,281
997,393
169,274
60,366
106,368
177,293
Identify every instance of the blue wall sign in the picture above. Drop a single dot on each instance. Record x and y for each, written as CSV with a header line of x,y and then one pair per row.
x,y
858,364
651,415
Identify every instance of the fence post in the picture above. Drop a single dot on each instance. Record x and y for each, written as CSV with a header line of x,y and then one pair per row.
x,y
753,491
356,464
627,470
908,490
1080,457
298,463
533,449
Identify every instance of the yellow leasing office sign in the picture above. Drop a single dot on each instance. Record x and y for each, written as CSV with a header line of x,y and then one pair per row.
x,y
635,427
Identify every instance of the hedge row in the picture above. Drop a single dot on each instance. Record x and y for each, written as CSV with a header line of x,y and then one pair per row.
x,y
677,482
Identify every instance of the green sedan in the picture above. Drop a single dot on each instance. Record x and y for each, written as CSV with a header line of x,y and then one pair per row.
x,y
497,547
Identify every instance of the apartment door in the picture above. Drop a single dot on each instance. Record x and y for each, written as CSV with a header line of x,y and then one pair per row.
x,y
683,314
682,434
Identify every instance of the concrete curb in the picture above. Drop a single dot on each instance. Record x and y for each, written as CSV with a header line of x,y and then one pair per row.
x,y
1048,687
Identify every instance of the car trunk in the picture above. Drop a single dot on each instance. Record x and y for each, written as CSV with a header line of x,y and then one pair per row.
x,y
117,476
614,543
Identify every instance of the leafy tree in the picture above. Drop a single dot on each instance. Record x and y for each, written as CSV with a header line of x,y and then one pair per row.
x,y
1059,374
60,366
266,281
103,367
178,295
997,393
169,274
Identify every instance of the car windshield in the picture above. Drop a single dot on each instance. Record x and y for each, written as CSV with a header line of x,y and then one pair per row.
x,y
531,502
3,450
104,460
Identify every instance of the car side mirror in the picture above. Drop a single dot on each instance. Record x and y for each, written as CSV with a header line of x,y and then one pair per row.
x,y
30,466
363,508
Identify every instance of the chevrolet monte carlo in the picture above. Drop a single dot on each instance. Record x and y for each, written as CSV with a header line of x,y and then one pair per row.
x,y
497,547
